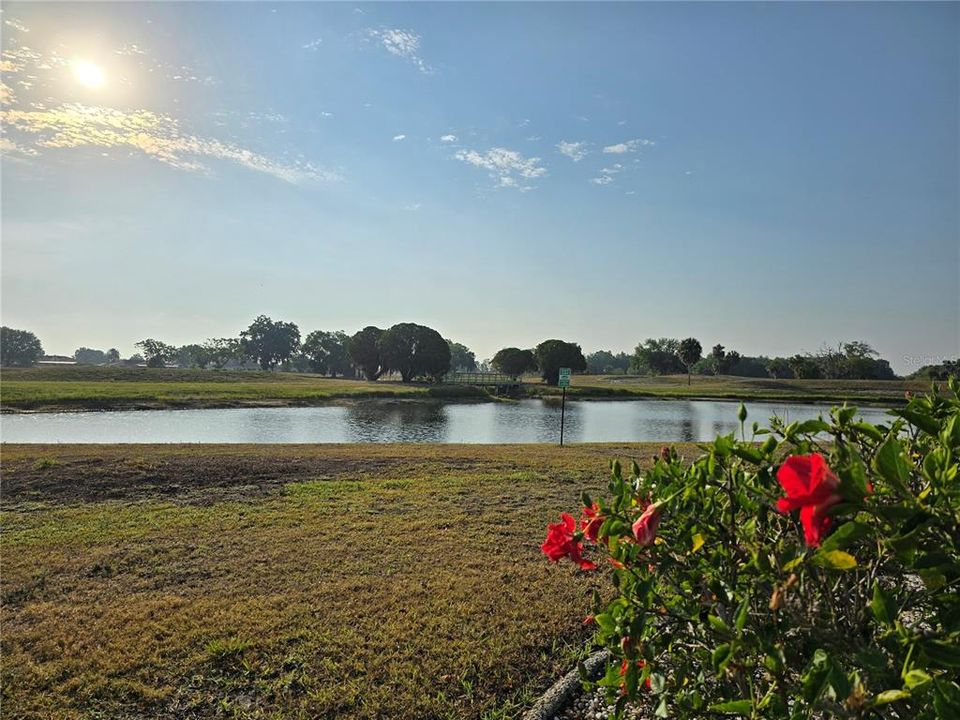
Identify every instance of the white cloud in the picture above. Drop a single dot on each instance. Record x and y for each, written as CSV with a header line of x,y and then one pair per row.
x,y
131,49
401,136
606,174
16,25
324,113
505,166
413,207
576,151
157,136
313,44
448,138
628,146
402,43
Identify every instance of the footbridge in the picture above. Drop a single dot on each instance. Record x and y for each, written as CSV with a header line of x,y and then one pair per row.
x,y
485,379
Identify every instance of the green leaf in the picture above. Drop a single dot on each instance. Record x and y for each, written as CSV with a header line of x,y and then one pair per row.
x,y
925,422
889,696
946,655
834,559
733,707
812,426
891,466
750,454
869,430
742,614
720,654
845,535
882,606
916,678
718,624
605,622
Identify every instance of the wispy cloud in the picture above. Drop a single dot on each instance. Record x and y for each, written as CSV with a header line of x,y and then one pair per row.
x,y
397,138
606,175
576,151
629,146
157,136
402,43
448,138
16,25
313,44
508,167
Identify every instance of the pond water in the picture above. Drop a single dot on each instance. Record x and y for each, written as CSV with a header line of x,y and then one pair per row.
x,y
379,421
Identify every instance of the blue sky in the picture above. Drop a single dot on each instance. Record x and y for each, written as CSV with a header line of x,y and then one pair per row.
x,y
768,176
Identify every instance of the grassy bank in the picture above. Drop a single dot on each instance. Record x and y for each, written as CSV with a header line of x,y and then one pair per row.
x,y
374,581
876,392
96,388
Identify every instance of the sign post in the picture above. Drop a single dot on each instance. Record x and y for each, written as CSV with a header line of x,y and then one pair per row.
x,y
564,383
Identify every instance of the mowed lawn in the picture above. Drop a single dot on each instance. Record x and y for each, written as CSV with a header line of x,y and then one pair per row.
x,y
373,581
83,387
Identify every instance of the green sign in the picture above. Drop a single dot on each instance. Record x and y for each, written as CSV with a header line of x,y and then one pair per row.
x,y
564,378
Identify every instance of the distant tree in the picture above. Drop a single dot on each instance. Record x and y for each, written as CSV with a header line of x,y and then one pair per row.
x,y
854,360
156,352
134,360
554,354
514,361
779,368
689,353
414,351
88,356
193,356
461,357
804,367
656,356
221,351
604,362
364,350
327,352
486,365
270,342
19,348
939,371
113,355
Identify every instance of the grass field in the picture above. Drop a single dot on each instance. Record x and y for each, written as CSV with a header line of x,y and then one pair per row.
x,y
86,387
124,388
373,581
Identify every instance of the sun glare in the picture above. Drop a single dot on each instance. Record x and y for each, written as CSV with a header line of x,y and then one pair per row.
x,y
87,73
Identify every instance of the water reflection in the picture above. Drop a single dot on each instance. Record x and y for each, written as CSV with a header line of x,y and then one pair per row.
x,y
525,421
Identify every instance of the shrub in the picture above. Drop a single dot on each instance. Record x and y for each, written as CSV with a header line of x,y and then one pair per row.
x,y
729,601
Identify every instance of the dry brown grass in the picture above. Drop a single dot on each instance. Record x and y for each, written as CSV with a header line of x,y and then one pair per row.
x,y
323,581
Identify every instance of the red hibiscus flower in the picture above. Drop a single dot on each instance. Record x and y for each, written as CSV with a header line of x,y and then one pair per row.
x,y
623,671
561,542
645,528
811,486
591,522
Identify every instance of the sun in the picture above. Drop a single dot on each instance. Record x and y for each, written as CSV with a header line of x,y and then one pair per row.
x,y
87,73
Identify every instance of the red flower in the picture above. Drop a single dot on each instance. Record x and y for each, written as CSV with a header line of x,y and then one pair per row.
x,y
591,522
811,486
623,671
645,528
561,542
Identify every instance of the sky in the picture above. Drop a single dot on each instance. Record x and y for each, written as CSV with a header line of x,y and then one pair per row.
x,y
773,177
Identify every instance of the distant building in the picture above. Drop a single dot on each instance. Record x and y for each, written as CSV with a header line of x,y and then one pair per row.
x,y
56,360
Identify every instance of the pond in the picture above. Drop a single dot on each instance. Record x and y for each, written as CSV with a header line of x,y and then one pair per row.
x,y
380,421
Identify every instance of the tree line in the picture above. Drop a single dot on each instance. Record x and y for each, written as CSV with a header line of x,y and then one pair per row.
x,y
418,352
